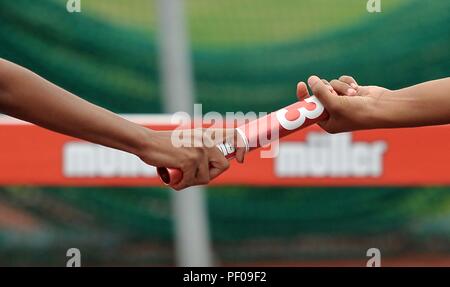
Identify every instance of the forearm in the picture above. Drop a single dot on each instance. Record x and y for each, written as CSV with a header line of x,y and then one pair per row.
x,y
420,105
29,97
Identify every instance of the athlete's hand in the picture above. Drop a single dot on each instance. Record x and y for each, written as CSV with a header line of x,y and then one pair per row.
x,y
197,157
350,106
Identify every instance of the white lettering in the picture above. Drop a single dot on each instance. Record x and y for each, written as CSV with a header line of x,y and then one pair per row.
x,y
82,159
324,155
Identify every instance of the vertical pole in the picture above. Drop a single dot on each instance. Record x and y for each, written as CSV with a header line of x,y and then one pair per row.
x,y
192,242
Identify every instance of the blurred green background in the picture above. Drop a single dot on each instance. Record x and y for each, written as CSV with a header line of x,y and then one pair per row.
x,y
247,55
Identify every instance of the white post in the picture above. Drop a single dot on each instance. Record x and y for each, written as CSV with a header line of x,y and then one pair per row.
x,y
192,242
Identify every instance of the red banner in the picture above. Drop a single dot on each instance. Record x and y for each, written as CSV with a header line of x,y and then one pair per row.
x,y
30,155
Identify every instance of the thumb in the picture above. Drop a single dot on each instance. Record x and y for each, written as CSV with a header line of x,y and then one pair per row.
x,y
302,91
321,91
240,154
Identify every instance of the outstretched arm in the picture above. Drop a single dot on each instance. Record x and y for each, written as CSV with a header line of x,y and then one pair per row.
x,y
420,105
355,107
27,96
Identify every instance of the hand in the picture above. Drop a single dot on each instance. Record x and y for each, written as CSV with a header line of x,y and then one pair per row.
x,y
350,106
199,160
25,95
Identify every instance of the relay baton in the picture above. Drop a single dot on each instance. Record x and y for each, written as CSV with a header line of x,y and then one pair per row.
x,y
263,130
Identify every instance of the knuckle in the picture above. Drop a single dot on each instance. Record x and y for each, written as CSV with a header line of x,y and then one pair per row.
x,y
202,151
329,129
194,156
226,165
335,83
320,90
186,184
332,131
204,181
203,178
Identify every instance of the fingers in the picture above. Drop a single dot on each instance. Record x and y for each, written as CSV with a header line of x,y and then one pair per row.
x,y
240,154
302,91
235,139
202,164
343,88
206,162
350,81
203,176
189,174
217,163
329,86
195,169
241,148
322,92
212,163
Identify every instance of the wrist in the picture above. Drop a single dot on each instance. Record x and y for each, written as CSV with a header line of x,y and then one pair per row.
x,y
395,108
382,110
141,141
153,148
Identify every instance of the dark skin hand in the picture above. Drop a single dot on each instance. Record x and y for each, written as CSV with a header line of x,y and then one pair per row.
x,y
27,96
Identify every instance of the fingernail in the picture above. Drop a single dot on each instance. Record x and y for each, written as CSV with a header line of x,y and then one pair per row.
x,y
313,80
351,92
354,86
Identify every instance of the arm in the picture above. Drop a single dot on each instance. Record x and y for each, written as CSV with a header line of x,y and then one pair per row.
x,y
420,105
354,107
29,97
